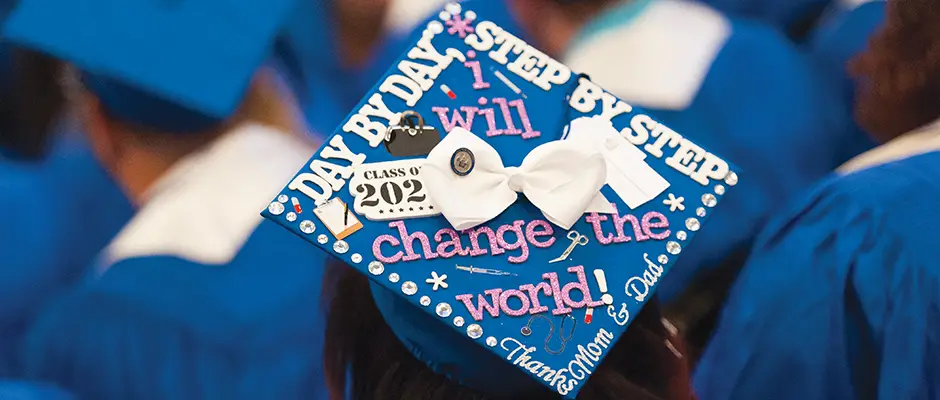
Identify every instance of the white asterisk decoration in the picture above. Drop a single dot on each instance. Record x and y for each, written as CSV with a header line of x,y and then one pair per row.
x,y
674,203
437,281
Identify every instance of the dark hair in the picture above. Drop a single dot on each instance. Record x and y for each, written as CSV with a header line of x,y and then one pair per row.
x,y
899,73
645,364
31,104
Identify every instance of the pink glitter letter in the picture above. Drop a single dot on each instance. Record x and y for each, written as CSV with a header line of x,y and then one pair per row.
x,y
504,303
595,220
582,286
457,120
377,249
533,236
528,133
477,312
454,241
408,241
478,82
661,222
490,118
520,242
618,223
556,293
475,249
533,290
507,116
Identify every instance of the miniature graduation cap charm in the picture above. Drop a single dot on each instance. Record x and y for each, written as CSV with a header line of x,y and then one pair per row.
x,y
546,280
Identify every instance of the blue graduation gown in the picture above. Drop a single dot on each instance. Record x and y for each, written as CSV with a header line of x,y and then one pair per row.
x,y
840,297
57,216
15,390
196,298
778,13
736,87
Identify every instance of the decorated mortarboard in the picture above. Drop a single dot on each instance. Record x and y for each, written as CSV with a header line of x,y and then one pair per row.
x,y
171,64
511,214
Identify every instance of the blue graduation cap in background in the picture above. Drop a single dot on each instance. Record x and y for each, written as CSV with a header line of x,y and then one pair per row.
x,y
500,201
175,65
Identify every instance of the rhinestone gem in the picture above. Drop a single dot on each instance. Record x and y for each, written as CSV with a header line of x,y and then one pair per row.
x,y
341,247
719,190
700,212
291,217
376,268
731,179
491,341
443,310
663,259
709,200
322,239
356,258
425,301
692,224
673,248
276,208
470,15
282,198
435,27
474,331
681,235
307,226
444,15
393,277
409,288
458,321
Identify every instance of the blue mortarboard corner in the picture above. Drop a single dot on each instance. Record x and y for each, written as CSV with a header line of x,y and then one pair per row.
x,y
123,56
467,100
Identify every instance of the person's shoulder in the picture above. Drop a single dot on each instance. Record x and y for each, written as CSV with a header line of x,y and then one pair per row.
x,y
207,206
199,246
897,199
251,317
909,180
274,273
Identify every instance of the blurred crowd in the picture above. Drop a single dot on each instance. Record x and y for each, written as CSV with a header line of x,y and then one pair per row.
x,y
138,143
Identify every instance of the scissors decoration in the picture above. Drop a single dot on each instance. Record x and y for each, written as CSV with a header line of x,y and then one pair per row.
x,y
577,239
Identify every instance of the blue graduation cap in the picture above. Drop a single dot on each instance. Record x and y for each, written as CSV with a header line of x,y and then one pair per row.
x,y
500,201
176,65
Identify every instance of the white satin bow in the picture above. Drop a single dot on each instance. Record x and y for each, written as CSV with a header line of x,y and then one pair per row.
x,y
562,178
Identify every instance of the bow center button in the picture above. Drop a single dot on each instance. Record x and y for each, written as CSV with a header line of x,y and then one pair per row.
x,y
515,179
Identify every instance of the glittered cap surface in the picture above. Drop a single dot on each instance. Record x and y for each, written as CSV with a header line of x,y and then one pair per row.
x,y
522,295
197,54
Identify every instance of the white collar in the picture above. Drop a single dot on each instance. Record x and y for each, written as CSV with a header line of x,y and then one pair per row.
x,y
919,141
849,5
403,16
207,205
657,59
